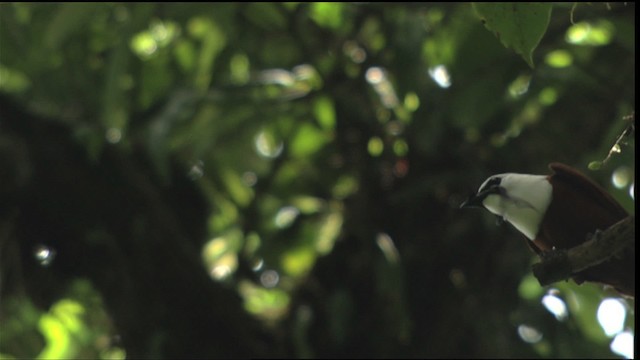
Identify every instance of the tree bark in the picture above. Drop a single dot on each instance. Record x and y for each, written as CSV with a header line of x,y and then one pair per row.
x,y
602,247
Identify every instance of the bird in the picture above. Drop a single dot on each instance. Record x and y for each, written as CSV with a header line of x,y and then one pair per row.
x,y
559,211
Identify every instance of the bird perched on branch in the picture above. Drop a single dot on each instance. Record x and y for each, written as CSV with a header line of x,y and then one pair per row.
x,y
559,211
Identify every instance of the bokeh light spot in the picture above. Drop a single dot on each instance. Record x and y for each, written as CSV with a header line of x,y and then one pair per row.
x,y
44,254
611,316
556,306
529,334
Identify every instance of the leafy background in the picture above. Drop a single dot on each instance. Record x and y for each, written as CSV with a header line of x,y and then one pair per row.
x,y
283,179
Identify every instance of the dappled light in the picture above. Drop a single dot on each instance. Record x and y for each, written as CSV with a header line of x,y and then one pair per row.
x,y
269,278
529,334
269,304
249,178
219,256
556,306
197,170
298,262
329,231
286,216
377,77
611,316
519,86
75,326
283,180
548,96
113,135
623,345
385,243
375,146
44,255
267,145
559,59
354,51
621,177
590,34
441,76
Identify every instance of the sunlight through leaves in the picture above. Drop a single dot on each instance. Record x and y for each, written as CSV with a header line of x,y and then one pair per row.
x,y
44,254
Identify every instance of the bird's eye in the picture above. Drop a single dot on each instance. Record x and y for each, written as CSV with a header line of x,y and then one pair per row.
x,y
493,182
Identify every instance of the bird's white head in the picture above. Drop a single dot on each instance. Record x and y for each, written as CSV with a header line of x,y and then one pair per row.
x,y
519,199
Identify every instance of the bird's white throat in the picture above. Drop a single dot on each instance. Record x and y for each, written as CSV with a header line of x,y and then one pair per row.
x,y
523,201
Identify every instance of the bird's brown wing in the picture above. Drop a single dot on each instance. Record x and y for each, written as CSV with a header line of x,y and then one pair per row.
x,y
585,208
588,187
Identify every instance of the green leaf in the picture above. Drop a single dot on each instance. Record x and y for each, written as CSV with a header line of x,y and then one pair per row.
x,y
307,141
519,26
327,14
325,112
214,41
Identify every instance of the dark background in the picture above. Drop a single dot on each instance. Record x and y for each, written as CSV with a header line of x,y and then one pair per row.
x,y
262,180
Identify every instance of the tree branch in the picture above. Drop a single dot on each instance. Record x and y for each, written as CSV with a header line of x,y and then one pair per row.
x,y
562,264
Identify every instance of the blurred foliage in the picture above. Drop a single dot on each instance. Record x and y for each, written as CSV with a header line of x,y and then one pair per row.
x,y
313,155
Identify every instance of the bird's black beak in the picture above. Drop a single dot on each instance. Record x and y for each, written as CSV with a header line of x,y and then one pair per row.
x,y
472,201
475,200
